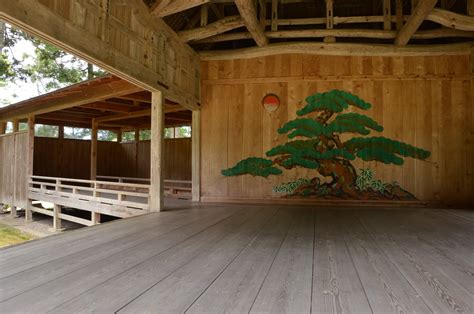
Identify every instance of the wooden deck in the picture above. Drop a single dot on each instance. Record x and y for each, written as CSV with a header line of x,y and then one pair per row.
x,y
250,258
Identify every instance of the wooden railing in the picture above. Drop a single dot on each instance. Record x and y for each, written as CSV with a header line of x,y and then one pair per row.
x,y
173,188
98,197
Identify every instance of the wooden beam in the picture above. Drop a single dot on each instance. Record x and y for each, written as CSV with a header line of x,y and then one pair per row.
x,y
387,15
361,33
218,27
451,19
249,14
196,155
274,17
421,11
91,94
16,125
165,8
366,33
156,151
204,15
263,12
95,129
470,7
74,32
3,127
337,49
123,116
107,106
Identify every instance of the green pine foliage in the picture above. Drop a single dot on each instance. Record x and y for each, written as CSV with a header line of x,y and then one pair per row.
x,y
384,149
254,166
334,100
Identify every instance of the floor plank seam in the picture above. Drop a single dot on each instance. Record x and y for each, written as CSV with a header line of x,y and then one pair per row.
x,y
172,272
231,261
115,276
273,261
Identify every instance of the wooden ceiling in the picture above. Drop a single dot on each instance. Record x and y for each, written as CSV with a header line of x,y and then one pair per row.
x,y
227,24
112,102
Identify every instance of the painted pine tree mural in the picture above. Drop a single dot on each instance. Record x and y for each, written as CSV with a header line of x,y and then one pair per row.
x,y
314,142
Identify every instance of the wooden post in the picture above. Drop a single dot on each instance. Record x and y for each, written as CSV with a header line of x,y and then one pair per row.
x,y
94,150
387,15
56,219
399,13
13,211
263,12
156,161
204,14
3,127
470,7
137,140
95,218
119,136
196,156
274,23
16,125
329,21
29,164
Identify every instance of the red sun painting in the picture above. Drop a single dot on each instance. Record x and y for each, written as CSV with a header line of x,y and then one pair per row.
x,y
271,102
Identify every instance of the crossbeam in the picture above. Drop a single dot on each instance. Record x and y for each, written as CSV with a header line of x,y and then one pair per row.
x,y
421,11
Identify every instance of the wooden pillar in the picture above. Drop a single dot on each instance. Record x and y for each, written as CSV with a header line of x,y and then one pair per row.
x,y
119,136
29,163
196,156
13,211
387,15
16,125
274,21
399,13
94,150
3,127
470,7
95,218
156,161
137,140
329,21
56,220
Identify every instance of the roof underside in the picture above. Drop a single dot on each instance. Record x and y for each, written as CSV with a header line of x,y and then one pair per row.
x,y
219,25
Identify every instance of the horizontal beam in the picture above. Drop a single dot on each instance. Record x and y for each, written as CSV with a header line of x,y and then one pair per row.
x,y
337,49
320,33
130,115
89,95
451,19
218,27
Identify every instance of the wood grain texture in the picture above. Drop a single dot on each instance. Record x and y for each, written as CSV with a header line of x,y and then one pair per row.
x,y
421,100
250,258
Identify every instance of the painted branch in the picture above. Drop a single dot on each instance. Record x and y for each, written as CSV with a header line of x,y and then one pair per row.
x,y
249,14
218,27
423,8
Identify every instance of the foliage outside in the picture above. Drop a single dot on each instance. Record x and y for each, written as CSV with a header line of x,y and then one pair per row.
x,y
314,143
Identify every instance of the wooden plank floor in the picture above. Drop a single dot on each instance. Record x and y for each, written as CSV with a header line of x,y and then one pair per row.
x,y
249,258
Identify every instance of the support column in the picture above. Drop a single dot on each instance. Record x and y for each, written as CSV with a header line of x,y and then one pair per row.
x,y
13,210
119,136
3,127
16,125
196,156
56,220
29,164
94,150
156,161
95,218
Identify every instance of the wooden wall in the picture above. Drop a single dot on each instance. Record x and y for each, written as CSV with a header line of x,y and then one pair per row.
x,y
425,101
13,154
71,158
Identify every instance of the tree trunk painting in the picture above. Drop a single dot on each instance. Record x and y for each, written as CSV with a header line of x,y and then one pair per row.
x,y
314,143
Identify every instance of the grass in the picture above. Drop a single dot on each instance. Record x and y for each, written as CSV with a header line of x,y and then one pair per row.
x,y
10,235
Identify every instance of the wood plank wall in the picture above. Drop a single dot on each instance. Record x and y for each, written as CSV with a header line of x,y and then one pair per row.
x,y
425,101
13,152
71,158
